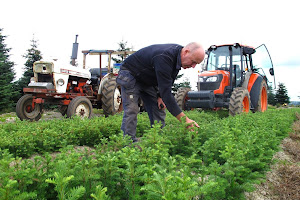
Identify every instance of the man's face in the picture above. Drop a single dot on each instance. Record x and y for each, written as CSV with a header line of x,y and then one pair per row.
x,y
191,59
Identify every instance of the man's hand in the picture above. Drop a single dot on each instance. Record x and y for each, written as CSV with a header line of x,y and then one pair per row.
x,y
193,123
187,120
160,103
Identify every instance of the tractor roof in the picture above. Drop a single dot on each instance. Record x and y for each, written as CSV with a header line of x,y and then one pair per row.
x,y
246,49
100,52
234,44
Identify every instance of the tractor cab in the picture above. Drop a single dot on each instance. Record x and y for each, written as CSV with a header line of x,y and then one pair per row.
x,y
224,62
235,61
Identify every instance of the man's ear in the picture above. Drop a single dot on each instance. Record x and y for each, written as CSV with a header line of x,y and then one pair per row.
x,y
186,51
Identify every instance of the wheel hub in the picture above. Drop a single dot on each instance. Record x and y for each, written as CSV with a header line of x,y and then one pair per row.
x,y
82,111
28,108
117,99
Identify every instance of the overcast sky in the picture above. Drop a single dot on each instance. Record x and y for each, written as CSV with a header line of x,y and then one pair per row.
x,y
102,24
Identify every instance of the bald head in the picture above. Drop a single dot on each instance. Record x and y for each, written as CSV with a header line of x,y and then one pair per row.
x,y
193,46
192,54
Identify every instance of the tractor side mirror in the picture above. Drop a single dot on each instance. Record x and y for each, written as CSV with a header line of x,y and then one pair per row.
x,y
271,70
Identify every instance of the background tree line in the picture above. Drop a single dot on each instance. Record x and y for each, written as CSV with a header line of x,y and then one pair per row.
x,y
280,97
11,90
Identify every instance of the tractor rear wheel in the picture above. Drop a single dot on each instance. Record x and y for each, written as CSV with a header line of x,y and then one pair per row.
x,y
25,110
80,106
181,97
262,104
239,101
111,97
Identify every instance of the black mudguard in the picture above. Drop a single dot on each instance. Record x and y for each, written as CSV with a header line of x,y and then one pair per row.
x,y
255,92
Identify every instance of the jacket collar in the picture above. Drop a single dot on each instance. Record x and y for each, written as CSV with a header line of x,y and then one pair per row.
x,y
178,64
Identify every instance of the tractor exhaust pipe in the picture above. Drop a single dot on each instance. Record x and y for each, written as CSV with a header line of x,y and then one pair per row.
x,y
74,52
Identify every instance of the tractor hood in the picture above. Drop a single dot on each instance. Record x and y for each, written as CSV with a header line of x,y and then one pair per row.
x,y
213,73
44,67
215,80
71,70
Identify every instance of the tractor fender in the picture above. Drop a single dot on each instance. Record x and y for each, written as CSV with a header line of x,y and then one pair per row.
x,y
246,81
103,81
254,88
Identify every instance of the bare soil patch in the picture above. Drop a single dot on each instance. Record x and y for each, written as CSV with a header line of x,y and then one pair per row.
x,y
47,115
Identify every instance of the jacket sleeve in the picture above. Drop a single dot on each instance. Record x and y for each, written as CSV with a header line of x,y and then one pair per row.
x,y
163,69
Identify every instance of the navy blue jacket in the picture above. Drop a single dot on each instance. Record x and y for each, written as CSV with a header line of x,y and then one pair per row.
x,y
157,65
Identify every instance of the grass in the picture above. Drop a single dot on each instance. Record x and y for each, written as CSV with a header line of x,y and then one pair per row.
x,y
6,116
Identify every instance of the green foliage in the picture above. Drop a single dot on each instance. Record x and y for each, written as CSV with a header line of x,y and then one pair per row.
x,y
185,83
271,96
15,177
100,193
32,55
169,182
7,92
281,95
7,117
221,160
61,182
122,47
24,138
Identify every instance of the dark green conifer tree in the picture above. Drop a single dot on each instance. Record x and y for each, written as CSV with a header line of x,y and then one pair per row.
x,y
281,96
7,75
271,96
32,55
176,85
122,47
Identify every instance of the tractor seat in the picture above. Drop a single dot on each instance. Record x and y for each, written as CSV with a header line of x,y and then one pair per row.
x,y
95,74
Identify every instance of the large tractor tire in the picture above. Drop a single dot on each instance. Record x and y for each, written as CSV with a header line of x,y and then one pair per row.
x,y
239,101
111,97
181,98
25,111
80,106
262,101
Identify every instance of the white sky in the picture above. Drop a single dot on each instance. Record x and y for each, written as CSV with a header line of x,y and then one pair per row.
x,y
102,24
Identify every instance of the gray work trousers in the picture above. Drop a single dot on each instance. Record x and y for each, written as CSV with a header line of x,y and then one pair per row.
x,y
131,91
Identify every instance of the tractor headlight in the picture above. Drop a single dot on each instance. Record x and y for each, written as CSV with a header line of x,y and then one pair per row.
x,y
212,79
60,82
32,80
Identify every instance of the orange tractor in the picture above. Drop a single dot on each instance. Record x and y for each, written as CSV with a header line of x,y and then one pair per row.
x,y
234,78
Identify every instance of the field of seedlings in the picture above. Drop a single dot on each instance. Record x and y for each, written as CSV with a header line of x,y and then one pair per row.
x,y
89,159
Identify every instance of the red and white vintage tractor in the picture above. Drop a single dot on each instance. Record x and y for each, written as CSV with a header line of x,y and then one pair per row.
x,y
75,89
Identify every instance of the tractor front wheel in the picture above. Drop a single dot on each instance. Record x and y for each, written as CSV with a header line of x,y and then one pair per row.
x,y
80,106
262,103
25,109
239,101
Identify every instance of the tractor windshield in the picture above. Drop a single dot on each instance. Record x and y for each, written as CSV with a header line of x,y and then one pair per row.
x,y
219,58
263,65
